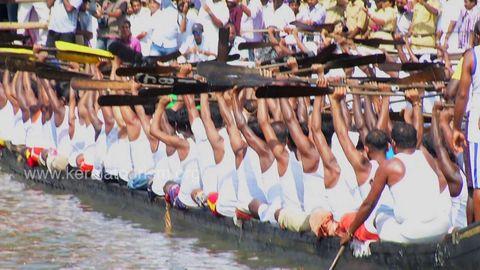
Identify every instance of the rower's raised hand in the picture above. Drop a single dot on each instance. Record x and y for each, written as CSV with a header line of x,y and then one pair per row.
x,y
164,100
185,70
339,93
412,96
459,141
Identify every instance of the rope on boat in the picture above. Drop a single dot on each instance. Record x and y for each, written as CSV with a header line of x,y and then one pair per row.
x,y
168,221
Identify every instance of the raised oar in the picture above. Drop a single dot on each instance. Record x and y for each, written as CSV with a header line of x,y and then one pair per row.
x,y
126,100
323,56
223,46
254,45
405,66
337,257
26,25
344,63
273,91
376,42
132,71
313,28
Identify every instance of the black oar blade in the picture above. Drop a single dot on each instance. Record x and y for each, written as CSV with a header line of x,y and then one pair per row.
x,y
155,92
326,54
290,91
60,74
356,61
254,45
124,100
8,37
233,57
376,42
165,58
132,71
313,28
125,53
20,64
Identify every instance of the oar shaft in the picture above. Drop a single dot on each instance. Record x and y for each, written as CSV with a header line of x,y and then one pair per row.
x,y
27,25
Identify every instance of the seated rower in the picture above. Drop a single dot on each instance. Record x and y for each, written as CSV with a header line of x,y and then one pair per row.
x,y
8,106
416,215
456,179
179,193
265,203
289,168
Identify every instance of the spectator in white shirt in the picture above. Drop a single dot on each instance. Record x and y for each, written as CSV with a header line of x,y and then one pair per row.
x,y
282,15
140,19
213,15
43,13
63,20
252,19
312,14
295,6
192,17
196,49
234,40
168,24
87,24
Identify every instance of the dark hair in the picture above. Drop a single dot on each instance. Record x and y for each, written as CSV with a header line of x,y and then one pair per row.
x,y
62,89
128,22
149,108
131,1
305,131
183,123
255,127
294,2
427,142
216,116
404,135
476,28
171,117
281,131
327,128
250,106
377,140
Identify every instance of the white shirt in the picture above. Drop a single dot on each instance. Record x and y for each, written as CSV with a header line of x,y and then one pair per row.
x,y
449,11
166,28
220,10
282,17
196,57
89,23
62,21
316,14
404,21
141,23
234,50
192,17
255,21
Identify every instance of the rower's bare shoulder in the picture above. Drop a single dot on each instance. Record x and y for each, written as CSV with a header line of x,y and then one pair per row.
x,y
394,166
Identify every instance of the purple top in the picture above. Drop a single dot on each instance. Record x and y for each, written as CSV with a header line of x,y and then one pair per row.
x,y
134,44
236,17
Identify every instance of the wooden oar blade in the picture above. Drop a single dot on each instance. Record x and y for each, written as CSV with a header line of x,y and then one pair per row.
x,y
223,48
126,100
291,91
430,74
254,45
99,85
79,57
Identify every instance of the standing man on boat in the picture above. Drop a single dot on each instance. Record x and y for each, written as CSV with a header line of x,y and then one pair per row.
x,y
468,100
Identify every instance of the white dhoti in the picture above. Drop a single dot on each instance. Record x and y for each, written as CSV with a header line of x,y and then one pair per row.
x,y
43,13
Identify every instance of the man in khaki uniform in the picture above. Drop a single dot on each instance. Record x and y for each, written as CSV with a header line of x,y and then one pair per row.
x,y
356,19
335,10
422,29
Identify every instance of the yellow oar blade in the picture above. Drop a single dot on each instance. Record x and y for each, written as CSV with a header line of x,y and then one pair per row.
x,y
66,46
16,51
78,57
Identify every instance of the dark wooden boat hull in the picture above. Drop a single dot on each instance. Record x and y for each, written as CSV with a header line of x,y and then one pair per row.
x,y
458,251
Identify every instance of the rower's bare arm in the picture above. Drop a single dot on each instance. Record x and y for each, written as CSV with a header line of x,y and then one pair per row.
x,y
461,98
8,86
256,143
370,116
32,101
20,93
92,113
3,96
237,143
367,206
307,150
449,169
358,118
359,163
332,170
169,139
278,150
383,122
57,106
413,97
302,109
216,141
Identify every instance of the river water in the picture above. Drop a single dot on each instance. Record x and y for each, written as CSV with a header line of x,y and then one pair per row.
x,y
50,230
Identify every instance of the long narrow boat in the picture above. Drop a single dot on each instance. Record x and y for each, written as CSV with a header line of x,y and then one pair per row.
x,y
460,250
